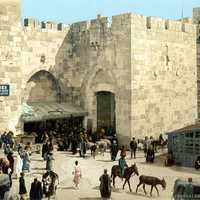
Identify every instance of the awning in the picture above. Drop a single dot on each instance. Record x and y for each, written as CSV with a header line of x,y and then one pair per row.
x,y
40,111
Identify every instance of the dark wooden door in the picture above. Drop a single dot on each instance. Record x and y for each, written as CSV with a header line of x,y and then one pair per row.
x,y
105,110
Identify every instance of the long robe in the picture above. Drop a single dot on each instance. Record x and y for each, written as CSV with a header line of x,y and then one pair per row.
x,y
77,174
114,151
22,187
36,191
49,163
122,165
105,186
18,166
26,162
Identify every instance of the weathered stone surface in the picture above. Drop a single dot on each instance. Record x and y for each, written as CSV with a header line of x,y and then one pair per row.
x,y
148,63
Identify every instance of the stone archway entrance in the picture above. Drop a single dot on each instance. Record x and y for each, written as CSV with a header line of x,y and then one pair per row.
x,y
106,111
46,109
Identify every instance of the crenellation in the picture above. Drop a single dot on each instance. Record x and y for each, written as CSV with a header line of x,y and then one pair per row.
x,y
174,26
190,28
80,26
156,23
139,21
196,15
31,24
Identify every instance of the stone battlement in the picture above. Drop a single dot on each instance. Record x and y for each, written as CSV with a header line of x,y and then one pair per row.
x,y
34,24
138,21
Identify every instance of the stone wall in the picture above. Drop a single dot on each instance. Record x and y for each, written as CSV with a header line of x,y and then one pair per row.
x,y
10,63
164,89
42,41
196,20
98,59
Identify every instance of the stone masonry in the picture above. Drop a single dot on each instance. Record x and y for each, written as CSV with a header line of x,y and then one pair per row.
x,y
149,63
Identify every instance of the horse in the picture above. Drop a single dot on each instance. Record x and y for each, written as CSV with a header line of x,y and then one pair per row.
x,y
50,182
153,181
102,146
115,171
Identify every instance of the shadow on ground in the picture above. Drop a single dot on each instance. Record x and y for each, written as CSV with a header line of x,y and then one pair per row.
x,y
91,198
140,194
104,160
66,188
37,160
37,168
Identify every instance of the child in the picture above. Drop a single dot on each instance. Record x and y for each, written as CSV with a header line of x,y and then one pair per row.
x,y
77,174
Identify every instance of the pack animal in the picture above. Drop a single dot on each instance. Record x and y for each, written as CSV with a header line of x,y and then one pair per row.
x,y
153,181
129,171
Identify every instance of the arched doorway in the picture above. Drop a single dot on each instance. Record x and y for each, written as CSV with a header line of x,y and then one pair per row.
x,y
106,111
46,110
43,87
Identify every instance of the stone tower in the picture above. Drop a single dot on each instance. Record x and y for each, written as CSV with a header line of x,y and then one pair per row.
x,y
196,20
10,62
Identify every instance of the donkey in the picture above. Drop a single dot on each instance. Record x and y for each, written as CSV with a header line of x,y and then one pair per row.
x,y
115,171
153,181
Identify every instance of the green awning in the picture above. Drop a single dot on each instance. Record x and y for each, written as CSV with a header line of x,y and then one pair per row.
x,y
40,111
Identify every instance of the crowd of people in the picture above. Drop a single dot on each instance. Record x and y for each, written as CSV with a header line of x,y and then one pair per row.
x,y
76,142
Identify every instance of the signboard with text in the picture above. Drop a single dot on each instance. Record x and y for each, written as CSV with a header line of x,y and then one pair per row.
x,y
4,90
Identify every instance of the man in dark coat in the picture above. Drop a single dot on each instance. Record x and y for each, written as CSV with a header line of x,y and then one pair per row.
x,y
44,149
22,187
105,185
133,147
150,154
36,190
114,150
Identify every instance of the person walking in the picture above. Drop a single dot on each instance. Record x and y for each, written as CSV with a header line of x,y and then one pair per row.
x,y
44,149
26,160
77,174
36,190
123,151
133,147
49,162
22,187
114,150
105,185
150,154
145,146
18,166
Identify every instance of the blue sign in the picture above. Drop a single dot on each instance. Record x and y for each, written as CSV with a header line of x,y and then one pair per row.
x,y
4,90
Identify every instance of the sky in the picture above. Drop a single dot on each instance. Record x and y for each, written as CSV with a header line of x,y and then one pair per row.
x,y
69,11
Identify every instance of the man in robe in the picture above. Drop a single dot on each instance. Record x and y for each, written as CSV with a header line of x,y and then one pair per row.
x,y
49,162
26,160
150,154
114,150
105,185
36,190
122,165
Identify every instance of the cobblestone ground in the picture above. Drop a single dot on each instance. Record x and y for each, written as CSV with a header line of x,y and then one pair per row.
x,y
91,171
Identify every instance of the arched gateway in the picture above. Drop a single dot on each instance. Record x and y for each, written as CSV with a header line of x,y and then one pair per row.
x,y
45,106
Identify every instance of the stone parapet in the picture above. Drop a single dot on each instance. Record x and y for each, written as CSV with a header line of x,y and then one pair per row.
x,y
32,24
